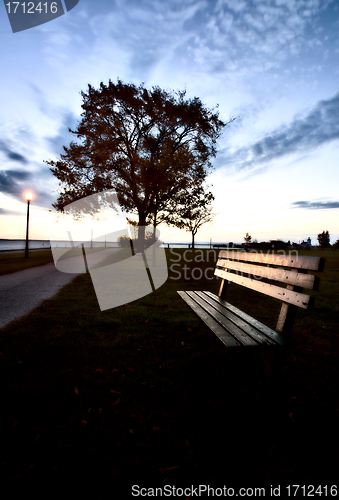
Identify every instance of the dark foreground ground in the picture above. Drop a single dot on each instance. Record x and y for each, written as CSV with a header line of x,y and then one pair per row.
x,y
96,402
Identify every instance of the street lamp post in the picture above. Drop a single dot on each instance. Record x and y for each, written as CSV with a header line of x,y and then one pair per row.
x,y
29,197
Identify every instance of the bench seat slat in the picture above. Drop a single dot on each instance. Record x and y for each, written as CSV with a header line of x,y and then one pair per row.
x,y
276,274
289,296
232,328
246,326
279,339
252,270
216,328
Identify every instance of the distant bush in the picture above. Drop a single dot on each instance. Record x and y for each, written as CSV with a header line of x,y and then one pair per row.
x,y
149,239
125,241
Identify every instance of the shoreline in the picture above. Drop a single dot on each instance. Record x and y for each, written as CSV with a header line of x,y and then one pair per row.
x,y
23,250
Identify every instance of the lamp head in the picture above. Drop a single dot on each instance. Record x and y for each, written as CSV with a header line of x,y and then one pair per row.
x,y
29,196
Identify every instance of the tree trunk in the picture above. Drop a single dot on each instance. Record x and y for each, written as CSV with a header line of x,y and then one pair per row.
x,y
154,235
141,233
154,227
193,234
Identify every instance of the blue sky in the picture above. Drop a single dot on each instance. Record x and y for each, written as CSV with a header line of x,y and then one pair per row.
x,y
272,64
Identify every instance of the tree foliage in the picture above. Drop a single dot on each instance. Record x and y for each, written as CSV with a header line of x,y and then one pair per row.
x,y
247,238
191,209
127,242
324,239
147,144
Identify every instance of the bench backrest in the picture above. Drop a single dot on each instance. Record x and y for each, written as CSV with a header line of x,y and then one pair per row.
x,y
267,274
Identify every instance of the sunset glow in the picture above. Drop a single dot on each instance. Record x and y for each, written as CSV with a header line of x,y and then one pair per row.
x,y
272,65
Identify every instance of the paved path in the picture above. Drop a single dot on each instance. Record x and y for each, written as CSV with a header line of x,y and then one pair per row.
x,y
23,291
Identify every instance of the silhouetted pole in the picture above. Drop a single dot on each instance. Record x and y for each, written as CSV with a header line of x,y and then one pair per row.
x,y
28,198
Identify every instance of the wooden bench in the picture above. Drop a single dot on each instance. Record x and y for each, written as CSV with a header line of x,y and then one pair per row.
x,y
282,277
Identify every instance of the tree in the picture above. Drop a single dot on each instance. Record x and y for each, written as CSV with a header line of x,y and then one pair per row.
x,y
247,238
324,239
191,209
147,144
126,241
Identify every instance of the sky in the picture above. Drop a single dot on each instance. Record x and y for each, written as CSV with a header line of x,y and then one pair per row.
x,y
271,64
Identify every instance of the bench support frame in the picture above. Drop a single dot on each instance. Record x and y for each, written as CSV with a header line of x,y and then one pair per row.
x,y
236,328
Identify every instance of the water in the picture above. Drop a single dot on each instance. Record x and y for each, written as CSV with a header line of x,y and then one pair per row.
x,y
20,244
196,245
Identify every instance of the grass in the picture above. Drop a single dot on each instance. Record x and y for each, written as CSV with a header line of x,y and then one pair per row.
x,y
74,252
13,262
145,394
16,261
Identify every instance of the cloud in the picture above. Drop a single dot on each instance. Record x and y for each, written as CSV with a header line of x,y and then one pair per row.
x,y
5,211
146,39
16,182
304,133
64,137
147,32
12,155
257,36
316,205
44,105
10,181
